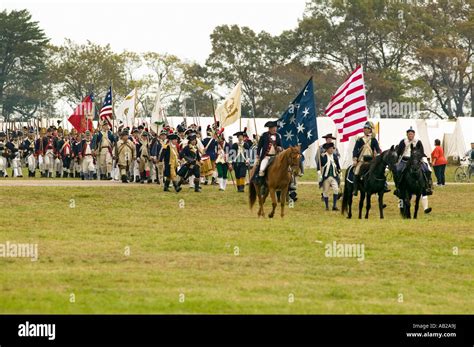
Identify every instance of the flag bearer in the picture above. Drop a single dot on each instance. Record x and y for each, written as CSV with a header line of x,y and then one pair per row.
x,y
87,155
105,141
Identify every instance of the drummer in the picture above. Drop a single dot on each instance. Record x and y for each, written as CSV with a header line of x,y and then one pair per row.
x,y
239,157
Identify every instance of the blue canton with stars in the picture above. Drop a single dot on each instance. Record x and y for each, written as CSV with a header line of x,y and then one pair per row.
x,y
297,126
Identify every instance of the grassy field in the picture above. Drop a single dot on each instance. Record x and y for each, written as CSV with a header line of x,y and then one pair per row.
x,y
207,253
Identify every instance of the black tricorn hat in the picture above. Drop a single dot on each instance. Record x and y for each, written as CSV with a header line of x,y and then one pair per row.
x,y
173,136
328,145
411,130
329,136
271,124
240,133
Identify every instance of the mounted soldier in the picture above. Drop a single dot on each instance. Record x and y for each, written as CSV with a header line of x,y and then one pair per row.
x,y
269,145
404,152
365,150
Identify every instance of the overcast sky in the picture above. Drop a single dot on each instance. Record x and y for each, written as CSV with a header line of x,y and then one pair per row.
x,y
180,27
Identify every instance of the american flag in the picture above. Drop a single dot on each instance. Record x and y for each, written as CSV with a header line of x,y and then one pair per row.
x,y
106,110
348,106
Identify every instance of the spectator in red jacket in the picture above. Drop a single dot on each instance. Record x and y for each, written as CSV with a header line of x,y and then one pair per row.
x,y
439,162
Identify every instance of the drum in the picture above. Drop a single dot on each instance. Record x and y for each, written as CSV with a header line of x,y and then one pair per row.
x,y
206,165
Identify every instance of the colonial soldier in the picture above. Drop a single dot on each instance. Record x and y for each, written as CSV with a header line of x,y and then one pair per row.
x,y
404,153
125,155
66,155
240,159
14,149
470,156
144,158
330,170
3,155
170,156
76,147
328,139
191,167
223,163
156,149
269,145
49,152
134,172
210,149
58,163
105,141
365,149
28,147
86,153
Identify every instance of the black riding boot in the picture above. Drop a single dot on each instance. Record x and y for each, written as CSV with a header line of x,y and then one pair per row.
x,y
334,202
429,184
124,179
166,187
177,186
196,185
326,202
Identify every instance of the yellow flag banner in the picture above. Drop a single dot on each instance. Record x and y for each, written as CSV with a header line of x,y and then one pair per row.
x,y
229,111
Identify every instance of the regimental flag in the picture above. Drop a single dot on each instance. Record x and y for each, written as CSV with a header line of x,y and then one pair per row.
x,y
81,119
157,115
127,109
106,110
348,106
298,126
230,110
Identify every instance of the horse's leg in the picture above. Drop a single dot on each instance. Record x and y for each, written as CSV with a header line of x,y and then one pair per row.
x,y
283,194
274,202
381,204
361,203
417,204
408,207
367,205
260,203
349,202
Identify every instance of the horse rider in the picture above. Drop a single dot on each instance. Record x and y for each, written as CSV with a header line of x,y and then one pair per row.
x,y
269,145
365,149
404,153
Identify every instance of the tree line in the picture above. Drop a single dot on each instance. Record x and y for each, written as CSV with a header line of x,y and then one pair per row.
x,y
418,51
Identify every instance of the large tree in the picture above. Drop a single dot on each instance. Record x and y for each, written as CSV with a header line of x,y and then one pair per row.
x,y
79,69
445,54
24,82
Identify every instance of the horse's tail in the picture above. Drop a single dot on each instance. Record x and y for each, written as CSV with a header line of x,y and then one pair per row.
x,y
348,186
252,194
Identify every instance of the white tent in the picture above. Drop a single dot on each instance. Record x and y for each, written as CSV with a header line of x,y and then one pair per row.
x,y
457,144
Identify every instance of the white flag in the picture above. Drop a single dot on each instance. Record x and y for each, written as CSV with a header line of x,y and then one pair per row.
x,y
157,115
229,111
127,109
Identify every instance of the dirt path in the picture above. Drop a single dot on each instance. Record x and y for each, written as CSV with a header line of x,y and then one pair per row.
x,y
95,183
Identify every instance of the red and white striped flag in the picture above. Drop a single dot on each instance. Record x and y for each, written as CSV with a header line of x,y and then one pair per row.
x,y
106,110
348,107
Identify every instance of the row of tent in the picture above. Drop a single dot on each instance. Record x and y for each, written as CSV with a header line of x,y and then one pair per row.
x,y
455,136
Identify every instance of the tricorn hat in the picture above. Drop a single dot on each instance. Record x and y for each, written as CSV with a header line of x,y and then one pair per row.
x,y
329,136
271,124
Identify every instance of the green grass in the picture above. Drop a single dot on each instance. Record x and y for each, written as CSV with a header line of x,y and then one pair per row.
x,y
190,250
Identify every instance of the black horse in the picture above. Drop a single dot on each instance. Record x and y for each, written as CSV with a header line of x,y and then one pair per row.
x,y
411,182
372,180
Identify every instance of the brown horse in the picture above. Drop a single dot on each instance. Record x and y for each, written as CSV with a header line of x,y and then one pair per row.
x,y
278,178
